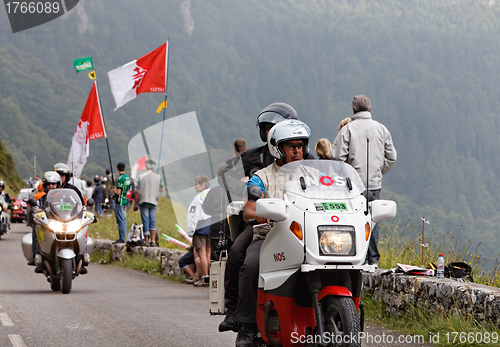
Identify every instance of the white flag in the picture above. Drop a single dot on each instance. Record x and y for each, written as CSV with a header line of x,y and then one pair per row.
x,y
144,75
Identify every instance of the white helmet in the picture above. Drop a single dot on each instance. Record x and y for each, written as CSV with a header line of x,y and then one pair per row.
x,y
51,177
285,131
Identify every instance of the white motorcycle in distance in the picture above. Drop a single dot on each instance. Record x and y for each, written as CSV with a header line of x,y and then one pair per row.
x,y
63,243
311,262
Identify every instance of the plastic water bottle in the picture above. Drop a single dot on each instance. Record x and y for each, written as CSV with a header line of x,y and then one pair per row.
x,y
440,268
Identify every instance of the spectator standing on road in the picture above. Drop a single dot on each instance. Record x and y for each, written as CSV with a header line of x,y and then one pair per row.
x,y
198,226
148,188
98,196
120,193
350,146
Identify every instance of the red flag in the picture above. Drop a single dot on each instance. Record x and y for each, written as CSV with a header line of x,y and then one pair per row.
x,y
90,127
144,75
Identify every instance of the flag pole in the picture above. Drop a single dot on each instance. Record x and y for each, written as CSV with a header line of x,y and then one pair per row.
x,y
104,125
165,108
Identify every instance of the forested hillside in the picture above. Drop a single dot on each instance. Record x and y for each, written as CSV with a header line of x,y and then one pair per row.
x,y
430,68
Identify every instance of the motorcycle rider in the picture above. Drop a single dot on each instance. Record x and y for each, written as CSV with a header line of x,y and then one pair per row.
x,y
3,192
252,160
65,173
51,180
288,141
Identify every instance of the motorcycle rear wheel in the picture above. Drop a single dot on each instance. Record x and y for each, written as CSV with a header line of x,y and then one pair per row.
x,y
67,275
342,322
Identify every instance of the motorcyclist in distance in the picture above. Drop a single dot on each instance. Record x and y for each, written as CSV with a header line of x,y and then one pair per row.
x,y
65,173
3,192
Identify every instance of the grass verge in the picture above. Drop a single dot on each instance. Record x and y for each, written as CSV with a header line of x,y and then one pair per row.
x,y
437,327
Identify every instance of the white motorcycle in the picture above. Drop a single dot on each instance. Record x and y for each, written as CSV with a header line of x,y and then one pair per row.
x,y
311,262
63,243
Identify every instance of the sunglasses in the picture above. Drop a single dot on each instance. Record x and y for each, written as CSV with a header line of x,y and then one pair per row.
x,y
52,184
292,146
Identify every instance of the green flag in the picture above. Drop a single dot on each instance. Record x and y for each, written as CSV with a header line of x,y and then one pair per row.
x,y
83,64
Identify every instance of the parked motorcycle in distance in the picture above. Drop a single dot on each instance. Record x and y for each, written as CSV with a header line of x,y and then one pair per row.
x,y
63,244
311,262
4,216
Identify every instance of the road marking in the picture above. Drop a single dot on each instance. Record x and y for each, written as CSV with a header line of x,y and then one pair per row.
x,y
6,322
17,341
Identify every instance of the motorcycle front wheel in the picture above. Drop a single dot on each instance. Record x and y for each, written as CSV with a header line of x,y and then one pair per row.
x,y
55,284
67,275
342,322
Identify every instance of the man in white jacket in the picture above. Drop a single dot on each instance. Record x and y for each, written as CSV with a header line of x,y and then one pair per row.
x,y
350,146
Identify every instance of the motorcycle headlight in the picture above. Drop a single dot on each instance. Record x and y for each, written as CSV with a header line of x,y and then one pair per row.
x,y
336,240
16,207
73,226
55,225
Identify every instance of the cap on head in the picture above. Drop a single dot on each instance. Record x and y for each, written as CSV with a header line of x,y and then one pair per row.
x,y
273,114
286,131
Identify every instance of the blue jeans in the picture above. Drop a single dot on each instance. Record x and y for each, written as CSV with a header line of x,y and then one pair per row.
x,y
121,221
373,256
148,217
98,209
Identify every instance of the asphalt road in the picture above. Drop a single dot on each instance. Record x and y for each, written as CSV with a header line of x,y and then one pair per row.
x,y
110,306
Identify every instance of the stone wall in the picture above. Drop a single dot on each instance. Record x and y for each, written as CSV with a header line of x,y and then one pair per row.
x,y
402,293
169,258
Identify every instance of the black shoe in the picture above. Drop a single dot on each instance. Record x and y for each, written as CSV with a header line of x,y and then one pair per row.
x,y
31,263
118,241
246,335
83,271
229,323
38,270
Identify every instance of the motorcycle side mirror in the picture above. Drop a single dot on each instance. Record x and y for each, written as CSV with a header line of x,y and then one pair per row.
x,y
90,202
383,209
32,202
253,193
274,209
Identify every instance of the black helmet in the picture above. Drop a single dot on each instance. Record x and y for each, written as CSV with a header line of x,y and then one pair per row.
x,y
274,114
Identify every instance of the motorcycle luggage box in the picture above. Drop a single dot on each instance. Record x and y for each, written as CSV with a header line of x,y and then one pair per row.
x,y
216,293
26,242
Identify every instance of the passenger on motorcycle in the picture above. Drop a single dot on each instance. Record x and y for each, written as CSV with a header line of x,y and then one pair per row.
x,y
65,173
288,141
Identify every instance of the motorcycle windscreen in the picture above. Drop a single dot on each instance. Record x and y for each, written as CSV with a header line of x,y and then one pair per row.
x,y
65,204
320,179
